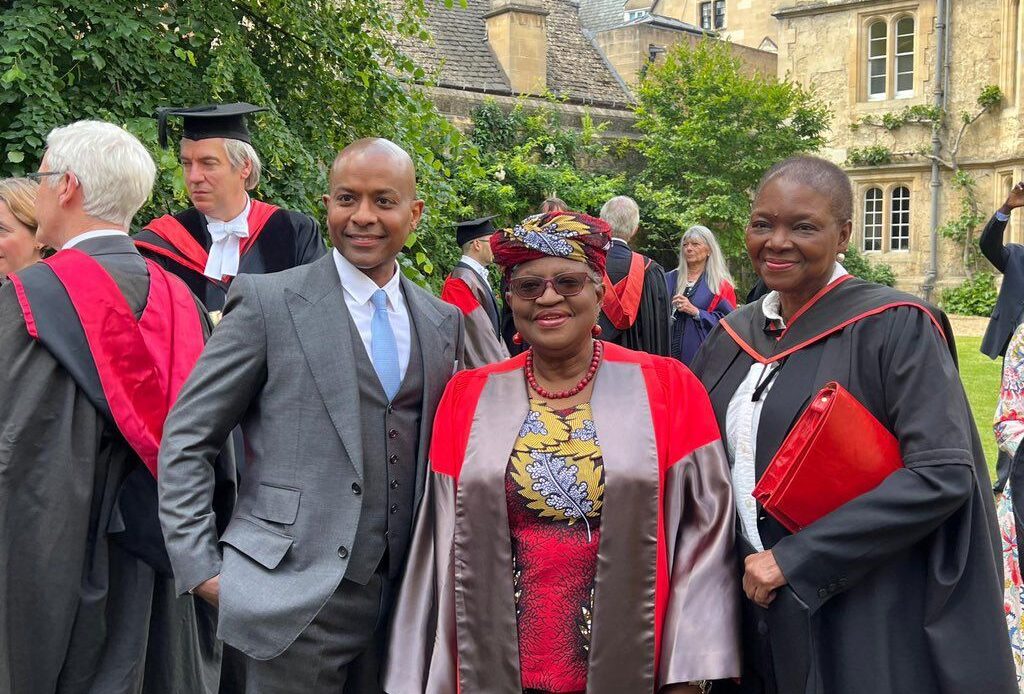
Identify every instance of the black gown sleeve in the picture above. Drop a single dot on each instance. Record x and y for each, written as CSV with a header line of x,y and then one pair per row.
x,y
928,412
309,243
659,329
991,243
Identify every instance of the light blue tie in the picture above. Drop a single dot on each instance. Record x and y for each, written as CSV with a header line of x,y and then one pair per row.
x,y
383,348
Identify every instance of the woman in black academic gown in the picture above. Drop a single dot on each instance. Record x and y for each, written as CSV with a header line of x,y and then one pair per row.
x,y
897,591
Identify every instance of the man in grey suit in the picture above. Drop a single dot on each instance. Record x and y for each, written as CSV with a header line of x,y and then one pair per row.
x,y
334,370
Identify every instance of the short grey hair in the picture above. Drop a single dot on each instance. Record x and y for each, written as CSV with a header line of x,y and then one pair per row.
x,y
623,216
238,154
114,169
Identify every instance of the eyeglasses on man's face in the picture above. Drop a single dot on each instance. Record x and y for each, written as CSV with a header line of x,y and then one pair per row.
x,y
40,175
565,284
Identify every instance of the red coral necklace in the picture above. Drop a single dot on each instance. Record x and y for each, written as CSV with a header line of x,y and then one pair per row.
x,y
531,378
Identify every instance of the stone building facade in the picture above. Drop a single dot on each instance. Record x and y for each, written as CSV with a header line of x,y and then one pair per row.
x,y
863,58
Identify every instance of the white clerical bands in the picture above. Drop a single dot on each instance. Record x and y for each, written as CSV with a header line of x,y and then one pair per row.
x,y
225,250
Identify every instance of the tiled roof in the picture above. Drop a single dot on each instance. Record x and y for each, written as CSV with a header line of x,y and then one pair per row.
x,y
459,47
599,15
576,69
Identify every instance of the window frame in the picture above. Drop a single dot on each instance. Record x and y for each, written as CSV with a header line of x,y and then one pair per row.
x,y
715,14
705,15
904,225
877,220
896,55
881,60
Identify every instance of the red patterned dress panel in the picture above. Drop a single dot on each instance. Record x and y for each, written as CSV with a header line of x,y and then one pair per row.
x,y
554,489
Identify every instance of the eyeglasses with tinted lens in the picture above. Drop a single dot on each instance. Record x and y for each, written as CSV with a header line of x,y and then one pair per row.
x,y
565,284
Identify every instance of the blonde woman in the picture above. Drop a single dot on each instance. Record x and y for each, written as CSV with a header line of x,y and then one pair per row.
x,y
701,289
18,245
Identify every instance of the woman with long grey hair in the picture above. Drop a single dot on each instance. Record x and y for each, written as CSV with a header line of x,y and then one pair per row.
x,y
702,291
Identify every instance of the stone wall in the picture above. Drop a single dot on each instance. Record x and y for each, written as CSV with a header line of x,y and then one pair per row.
x,y
627,48
983,39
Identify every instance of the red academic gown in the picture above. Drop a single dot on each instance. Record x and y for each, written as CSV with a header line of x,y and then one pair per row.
x,y
465,290
666,590
97,343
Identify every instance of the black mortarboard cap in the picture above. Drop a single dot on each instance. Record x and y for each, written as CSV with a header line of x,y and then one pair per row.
x,y
473,229
210,120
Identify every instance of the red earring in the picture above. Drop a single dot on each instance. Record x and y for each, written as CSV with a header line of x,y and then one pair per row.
x,y
517,339
596,331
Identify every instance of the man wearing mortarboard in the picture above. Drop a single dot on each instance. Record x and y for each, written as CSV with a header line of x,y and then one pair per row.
x,y
226,232
468,288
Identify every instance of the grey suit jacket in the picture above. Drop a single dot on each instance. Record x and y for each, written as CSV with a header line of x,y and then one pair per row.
x,y
281,364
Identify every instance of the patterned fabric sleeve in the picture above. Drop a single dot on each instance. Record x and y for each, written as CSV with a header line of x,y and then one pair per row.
x,y
1009,420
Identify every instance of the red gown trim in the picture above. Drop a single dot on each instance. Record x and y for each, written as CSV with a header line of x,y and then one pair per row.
x,y
457,293
622,300
142,364
758,357
459,404
190,252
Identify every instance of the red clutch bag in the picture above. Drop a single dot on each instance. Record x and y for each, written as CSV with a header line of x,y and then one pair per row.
x,y
836,451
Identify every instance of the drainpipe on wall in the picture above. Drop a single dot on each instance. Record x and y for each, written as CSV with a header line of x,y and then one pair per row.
x,y
939,93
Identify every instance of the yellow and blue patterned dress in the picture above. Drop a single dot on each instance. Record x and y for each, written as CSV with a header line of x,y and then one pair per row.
x,y
554,489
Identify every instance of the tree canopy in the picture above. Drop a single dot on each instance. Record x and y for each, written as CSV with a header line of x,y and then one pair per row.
x,y
328,70
710,131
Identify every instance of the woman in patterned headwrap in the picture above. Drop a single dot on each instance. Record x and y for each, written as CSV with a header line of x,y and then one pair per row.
x,y
577,530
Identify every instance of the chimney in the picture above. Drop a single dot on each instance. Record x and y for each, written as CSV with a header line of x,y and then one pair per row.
x,y
517,32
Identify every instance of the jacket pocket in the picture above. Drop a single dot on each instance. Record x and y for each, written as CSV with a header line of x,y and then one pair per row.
x,y
264,546
276,504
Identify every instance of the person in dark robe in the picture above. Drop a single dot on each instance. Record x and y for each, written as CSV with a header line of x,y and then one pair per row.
x,y
899,589
636,306
468,288
704,296
226,232
1008,259
577,528
96,343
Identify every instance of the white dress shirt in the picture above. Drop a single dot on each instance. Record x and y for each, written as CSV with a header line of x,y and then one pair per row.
x,y
225,250
741,423
358,288
97,234
477,268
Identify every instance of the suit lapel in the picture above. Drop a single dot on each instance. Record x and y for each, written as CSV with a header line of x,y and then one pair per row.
x,y
324,329
435,332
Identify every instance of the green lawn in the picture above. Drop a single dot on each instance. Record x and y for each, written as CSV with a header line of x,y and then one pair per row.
x,y
981,377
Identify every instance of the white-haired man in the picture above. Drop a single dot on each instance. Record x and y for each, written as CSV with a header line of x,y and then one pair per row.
x,y
226,232
88,601
636,306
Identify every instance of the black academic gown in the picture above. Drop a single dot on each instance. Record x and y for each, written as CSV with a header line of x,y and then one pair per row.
x,y
288,239
650,332
899,591
81,614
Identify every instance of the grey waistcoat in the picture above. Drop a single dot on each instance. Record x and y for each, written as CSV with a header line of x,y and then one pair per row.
x,y
390,434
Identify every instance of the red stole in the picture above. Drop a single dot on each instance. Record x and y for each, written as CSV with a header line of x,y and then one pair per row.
x,y
191,253
142,364
622,300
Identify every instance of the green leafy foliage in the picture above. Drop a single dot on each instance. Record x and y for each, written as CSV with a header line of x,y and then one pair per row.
x,y
990,97
328,71
710,131
858,265
529,153
975,297
874,155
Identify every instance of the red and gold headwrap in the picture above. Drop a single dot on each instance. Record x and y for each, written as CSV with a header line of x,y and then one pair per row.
x,y
571,235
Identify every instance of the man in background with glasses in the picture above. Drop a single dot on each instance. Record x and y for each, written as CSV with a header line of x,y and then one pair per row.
x,y
88,376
